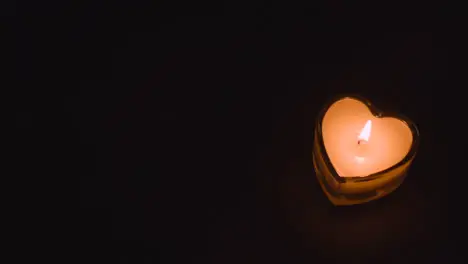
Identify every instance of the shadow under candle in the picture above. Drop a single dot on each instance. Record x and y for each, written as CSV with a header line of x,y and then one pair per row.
x,y
364,230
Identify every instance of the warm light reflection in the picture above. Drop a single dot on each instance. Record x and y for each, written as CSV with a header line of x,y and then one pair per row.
x,y
359,159
366,131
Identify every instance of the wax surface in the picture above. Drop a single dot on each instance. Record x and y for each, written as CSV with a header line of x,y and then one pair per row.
x,y
359,144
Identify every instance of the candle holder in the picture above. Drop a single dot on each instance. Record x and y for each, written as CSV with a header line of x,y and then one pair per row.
x,y
345,190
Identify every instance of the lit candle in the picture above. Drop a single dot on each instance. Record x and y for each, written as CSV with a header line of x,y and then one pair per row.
x,y
361,154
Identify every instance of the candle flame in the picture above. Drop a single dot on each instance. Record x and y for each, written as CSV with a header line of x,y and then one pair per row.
x,y
366,131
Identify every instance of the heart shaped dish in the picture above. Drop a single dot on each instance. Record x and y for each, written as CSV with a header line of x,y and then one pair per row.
x,y
360,153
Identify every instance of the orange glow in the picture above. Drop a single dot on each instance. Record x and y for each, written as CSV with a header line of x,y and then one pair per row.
x,y
366,131
353,151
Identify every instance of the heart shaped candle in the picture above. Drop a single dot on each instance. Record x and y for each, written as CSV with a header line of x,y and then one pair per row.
x,y
360,154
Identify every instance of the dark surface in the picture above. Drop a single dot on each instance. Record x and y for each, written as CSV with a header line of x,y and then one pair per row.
x,y
195,132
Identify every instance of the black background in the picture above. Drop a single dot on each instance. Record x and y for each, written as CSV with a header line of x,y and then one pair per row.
x,y
193,127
